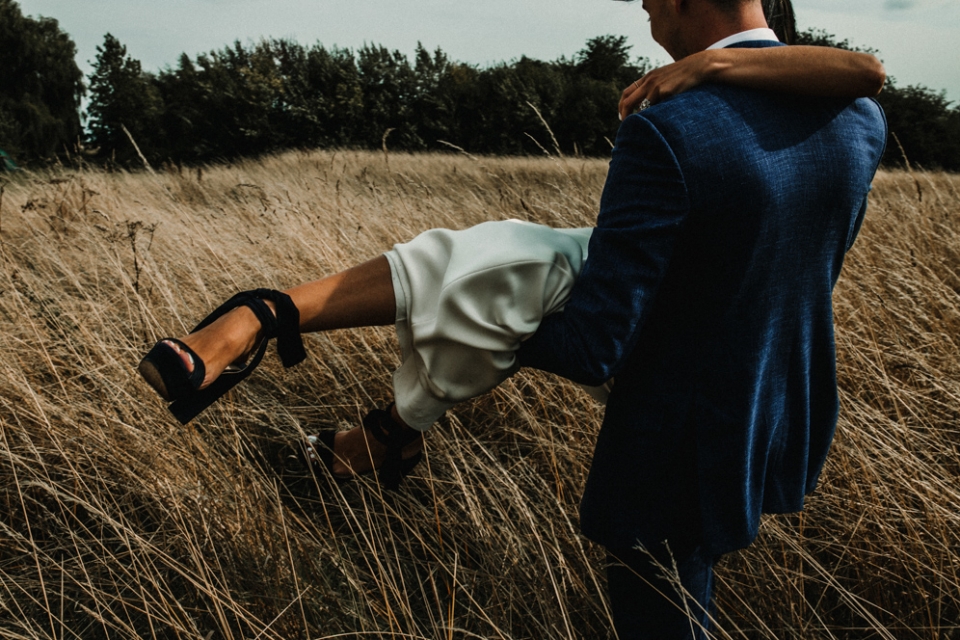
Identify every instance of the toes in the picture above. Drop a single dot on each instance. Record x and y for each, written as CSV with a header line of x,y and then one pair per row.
x,y
184,355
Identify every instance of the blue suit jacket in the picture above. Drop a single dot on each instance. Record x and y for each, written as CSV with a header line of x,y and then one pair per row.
x,y
707,295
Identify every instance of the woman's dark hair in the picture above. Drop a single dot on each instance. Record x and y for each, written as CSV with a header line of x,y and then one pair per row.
x,y
781,19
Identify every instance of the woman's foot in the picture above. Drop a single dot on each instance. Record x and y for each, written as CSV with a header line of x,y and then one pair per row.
x,y
226,341
194,372
374,445
357,452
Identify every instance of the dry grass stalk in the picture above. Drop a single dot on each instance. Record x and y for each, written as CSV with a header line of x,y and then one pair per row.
x,y
117,523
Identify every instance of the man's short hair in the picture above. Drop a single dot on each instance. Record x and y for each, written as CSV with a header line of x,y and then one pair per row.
x,y
727,5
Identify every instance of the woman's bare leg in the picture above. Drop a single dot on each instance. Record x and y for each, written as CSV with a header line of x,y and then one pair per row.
x,y
361,296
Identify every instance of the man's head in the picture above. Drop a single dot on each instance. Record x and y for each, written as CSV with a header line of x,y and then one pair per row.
x,y
683,27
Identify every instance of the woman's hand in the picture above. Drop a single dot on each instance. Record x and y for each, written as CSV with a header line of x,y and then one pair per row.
x,y
801,70
669,80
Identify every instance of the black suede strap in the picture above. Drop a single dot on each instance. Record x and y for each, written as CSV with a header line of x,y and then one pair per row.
x,y
389,432
381,425
285,326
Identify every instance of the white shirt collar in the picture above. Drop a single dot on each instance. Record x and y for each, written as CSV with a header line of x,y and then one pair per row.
x,y
746,36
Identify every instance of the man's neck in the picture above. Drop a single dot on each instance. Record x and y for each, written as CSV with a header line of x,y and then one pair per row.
x,y
707,24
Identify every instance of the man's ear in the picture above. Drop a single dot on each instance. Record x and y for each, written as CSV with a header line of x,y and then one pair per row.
x,y
680,6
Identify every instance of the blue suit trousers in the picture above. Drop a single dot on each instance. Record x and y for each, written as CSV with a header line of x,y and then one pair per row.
x,y
661,594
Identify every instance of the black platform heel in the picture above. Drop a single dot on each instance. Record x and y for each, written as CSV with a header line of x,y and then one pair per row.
x,y
318,452
164,370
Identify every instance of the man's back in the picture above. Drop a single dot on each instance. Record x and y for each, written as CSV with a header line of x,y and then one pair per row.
x,y
727,212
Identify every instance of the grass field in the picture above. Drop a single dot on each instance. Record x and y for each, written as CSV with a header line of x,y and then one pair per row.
x,y
116,522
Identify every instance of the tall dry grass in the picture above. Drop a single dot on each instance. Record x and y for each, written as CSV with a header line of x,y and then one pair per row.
x,y
115,522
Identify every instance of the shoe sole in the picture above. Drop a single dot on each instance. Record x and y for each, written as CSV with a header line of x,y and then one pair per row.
x,y
151,374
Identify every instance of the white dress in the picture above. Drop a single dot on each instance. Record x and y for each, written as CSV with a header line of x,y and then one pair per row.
x,y
465,301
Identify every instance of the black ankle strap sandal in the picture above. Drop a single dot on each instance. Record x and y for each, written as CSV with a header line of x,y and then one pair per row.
x,y
381,425
163,367
318,451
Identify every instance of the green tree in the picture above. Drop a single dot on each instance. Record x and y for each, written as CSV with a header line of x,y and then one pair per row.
x,y
504,118
434,107
604,58
122,96
182,119
40,85
388,86
321,96
596,78
927,129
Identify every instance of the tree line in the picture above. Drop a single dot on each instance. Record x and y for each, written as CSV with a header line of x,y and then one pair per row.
x,y
277,94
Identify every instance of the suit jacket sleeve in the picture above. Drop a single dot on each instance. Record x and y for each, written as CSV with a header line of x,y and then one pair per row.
x,y
644,204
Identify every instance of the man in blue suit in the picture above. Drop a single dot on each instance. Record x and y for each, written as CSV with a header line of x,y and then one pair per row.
x,y
706,295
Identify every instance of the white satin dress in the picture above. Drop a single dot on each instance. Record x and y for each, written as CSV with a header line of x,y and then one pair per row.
x,y
465,301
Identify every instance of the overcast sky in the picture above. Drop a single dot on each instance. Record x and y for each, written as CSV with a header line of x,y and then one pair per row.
x,y
917,39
